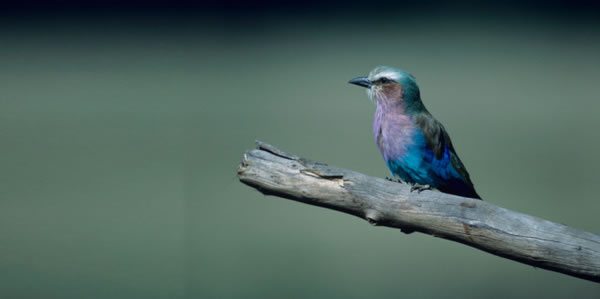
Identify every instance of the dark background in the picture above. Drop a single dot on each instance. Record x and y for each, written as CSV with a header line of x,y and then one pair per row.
x,y
122,124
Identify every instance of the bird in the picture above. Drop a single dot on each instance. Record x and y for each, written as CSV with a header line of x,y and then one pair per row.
x,y
415,146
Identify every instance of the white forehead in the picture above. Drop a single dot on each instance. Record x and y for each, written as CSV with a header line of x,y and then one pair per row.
x,y
385,72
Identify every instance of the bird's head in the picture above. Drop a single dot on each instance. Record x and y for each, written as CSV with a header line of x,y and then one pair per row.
x,y
390,85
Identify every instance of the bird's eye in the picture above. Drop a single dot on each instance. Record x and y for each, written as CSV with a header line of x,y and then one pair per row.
x,y
384,80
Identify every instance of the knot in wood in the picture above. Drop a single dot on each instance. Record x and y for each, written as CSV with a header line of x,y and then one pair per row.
x,y
373,217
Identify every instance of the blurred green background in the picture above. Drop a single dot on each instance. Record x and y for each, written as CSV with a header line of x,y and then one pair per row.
x,y
121,135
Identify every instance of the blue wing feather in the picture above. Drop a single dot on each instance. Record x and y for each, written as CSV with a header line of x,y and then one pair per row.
x,y
431,160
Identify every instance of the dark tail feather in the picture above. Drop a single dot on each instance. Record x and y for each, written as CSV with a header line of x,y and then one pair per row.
x,y
461,189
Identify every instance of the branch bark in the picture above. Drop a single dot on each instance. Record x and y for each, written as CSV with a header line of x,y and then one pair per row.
x,y
513,235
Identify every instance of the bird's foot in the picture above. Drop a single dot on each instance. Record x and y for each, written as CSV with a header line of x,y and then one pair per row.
x,y
419,187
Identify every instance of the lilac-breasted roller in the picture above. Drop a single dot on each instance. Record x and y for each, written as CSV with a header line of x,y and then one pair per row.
x,y
414,145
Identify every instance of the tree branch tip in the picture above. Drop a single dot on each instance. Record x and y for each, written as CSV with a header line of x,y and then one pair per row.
x,y
263,146
243,165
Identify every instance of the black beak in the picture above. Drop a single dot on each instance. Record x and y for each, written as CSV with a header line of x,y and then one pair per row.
x,y
361,81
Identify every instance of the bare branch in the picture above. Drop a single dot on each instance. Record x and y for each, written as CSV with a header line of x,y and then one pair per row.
x,y
516,236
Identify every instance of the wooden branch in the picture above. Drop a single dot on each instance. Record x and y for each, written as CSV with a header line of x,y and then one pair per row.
x,y
516,236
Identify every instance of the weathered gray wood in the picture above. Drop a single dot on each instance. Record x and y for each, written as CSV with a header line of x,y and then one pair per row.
x,y
476,223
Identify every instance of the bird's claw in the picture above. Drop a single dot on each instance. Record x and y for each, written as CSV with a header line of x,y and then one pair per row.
x,y
419,188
